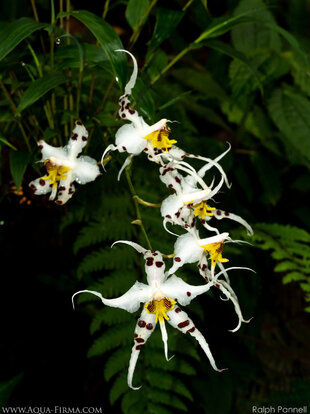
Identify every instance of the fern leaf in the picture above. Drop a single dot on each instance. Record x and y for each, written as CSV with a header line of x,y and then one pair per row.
x,y
167,398
118,388
117,362
167,382
112,338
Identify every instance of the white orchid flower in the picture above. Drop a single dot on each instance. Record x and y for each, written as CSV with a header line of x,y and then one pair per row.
x,y
190,200
190,249
161,297
64,167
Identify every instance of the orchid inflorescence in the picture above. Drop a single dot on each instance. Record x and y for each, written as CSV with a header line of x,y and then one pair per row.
x,y
190,203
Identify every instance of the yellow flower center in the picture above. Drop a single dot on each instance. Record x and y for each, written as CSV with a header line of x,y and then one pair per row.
x,y
56,173
160,139
202,209
215,252
160,307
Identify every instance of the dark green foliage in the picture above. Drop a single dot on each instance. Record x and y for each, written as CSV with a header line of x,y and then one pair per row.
x,y
233,71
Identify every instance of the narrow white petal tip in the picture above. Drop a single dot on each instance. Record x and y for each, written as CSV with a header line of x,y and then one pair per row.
x,y
136,246
221,370
169,359
134,388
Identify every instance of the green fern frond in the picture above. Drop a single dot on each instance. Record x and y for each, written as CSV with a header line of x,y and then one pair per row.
x,y
108,228
156,359
290,248
112,338
105,258
110,317
167,382
118,388
117,362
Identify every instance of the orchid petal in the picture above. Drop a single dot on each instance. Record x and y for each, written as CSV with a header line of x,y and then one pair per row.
x,y
110,147
187,250
126,163
164,337
175,288
144,328
220,214
86,170
133,78
49,151
129,301
136,246
40,186
180,320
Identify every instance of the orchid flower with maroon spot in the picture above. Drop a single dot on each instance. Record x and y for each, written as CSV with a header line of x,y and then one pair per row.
x,y
190,249
160,297
137,136
190,201
64,167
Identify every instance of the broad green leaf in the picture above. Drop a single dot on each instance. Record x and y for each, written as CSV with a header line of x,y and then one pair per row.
x,y
107,38
18,164
230,51
39,88
6,142
166,22
290,111
135,11
255,35
222,25
7,387
12,34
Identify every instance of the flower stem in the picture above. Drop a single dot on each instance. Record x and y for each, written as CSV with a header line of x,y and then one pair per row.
x,y
138,213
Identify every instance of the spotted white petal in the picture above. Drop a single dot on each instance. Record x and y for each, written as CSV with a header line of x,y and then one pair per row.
x,y
86,170
136,246
133,78
78,140
220,214
48,151
129,301
40,186
130,138
144,328
186,250
175,288
180,320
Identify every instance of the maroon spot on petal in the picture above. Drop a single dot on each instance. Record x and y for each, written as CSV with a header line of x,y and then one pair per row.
x,y
33,187
218,212
140,340
178,310
188,293
131,111
62,188
146,149
40,146
141,324
150,156
74,137
127,106
59,193
59,202
204,266
177,214
124,148
183,324
42,182
123,115
193,223
138,347
217,285
135,335
177,259
177,180
170,186
191,329
168,216
206,279
149,326
182,219
84,138
203,221
149,261
226,214
70,191
79,123
159,264
154,254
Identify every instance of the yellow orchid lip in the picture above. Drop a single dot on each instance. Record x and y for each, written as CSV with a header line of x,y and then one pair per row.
x,y
160,139
202,210
160,308
215,251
